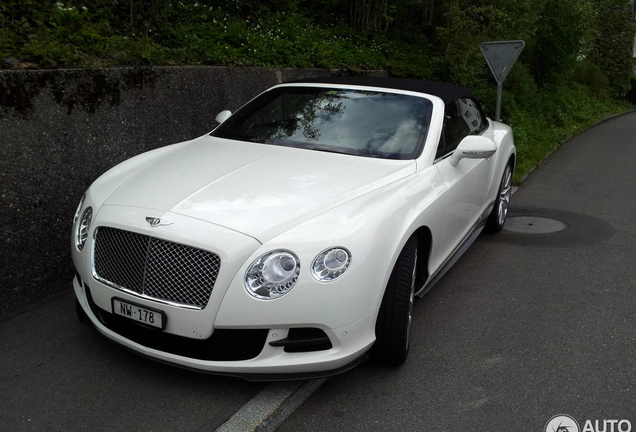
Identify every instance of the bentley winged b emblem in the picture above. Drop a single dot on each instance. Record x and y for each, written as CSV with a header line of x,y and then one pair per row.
x,y
155,222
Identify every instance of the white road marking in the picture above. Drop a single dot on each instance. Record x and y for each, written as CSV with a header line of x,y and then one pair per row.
x,y
271,407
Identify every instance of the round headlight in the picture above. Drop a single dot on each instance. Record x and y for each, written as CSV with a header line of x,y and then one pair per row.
x,y
81,229
79,209
330,264
272,275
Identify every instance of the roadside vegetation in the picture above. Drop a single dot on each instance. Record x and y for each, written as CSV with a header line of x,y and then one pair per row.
x,y
576,67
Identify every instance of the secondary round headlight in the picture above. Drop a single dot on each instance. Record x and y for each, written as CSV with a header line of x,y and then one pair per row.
x,y
272,275
330,264
81,229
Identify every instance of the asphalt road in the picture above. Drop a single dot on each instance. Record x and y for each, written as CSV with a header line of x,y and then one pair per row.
x,y
59,375
525,326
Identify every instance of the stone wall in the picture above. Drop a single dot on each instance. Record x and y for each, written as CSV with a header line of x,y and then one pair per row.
x,y
60,129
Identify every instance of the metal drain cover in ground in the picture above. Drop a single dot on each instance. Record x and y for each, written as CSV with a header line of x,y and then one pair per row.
x,y
534,225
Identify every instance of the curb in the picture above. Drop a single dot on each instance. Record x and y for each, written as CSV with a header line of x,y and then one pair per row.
x,y
271,407
532,170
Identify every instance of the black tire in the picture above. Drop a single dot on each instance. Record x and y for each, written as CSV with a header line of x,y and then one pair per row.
x,y
392,329
496,220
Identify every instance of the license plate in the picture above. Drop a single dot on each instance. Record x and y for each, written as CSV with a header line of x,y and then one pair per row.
x,y
141,314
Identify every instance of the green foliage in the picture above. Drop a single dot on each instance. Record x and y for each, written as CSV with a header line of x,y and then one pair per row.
x,y
612,47
590,75
164,32
631,94
409,58
562,31
467,27
371,16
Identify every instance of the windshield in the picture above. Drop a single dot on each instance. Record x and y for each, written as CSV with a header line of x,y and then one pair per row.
x,y
359,122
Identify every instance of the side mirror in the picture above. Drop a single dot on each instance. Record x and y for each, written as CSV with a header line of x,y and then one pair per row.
x,y
473,147
223,115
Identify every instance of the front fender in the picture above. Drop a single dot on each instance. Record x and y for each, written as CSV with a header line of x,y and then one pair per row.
x,y
504,139
373,227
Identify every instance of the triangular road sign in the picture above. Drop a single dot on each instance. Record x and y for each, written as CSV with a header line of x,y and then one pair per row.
x,y
500,56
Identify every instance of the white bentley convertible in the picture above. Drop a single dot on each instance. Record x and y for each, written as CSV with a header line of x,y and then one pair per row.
x,y
291,241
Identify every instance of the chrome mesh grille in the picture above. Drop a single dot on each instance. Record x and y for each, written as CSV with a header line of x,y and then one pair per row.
x,y
154,267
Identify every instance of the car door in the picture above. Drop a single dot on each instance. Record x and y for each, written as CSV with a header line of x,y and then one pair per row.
x,y
465,183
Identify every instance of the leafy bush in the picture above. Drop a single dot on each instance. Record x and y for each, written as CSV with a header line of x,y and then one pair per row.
x,y
614,40
631,94
562,32
591,75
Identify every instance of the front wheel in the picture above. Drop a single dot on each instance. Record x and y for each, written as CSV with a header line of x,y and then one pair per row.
x,y
393,327
499,213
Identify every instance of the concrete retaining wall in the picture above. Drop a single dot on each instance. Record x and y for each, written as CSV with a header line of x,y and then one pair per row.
x,y
60,129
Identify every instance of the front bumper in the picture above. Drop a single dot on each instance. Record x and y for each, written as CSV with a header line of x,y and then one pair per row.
x,y
233,345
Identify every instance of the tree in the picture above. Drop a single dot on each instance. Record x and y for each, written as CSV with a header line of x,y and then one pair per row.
x,y
562,34
612,46
369,15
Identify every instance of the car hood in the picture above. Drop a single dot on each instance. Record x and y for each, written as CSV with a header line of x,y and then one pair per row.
x,y
256,189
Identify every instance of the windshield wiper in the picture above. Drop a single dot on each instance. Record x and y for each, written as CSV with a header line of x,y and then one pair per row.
x,y
347,151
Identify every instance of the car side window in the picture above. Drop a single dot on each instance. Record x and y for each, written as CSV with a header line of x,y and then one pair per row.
x,y
455,128
474,115
462,117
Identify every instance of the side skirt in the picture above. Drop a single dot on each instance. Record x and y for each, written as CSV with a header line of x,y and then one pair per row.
x,y
456,255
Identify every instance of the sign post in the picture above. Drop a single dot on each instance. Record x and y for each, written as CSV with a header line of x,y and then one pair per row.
x,y
501,56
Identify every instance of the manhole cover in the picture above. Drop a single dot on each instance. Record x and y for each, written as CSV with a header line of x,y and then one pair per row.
x,y
534,225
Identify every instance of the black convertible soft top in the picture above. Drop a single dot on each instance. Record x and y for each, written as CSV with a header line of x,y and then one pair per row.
x,y
446,92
